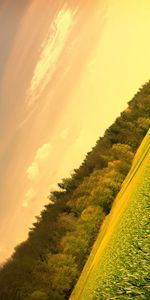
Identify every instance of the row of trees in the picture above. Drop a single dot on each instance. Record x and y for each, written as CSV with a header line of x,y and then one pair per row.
x,y
48,264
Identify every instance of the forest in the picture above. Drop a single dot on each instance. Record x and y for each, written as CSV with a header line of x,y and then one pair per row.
x,y
48,264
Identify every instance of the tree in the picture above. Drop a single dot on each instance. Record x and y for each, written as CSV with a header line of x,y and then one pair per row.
x,y
62,270
37,295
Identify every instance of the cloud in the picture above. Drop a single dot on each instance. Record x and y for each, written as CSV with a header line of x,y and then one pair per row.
x,y
30,194
33,171
41,156
51,50
42,153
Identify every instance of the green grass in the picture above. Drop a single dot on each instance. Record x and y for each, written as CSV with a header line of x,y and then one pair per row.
x,y
119,266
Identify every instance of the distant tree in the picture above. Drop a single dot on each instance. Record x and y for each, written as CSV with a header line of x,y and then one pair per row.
x,y
75,245
89,222
62,270
38,295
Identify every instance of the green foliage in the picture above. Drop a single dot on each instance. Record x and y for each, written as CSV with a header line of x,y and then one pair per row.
x,y
143,124
48,264
38,295
122,152
89,222
63,271
75,245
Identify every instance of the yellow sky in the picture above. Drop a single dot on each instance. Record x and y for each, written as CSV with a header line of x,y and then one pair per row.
x,y
71,70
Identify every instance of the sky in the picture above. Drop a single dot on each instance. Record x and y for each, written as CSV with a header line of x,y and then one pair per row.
x,y
67,70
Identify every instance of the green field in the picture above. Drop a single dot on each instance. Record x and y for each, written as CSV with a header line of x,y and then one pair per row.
x,y
119,266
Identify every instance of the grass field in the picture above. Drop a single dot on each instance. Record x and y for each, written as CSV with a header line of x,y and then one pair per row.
x,y
119,266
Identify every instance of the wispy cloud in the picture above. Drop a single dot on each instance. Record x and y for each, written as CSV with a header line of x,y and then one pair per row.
x,y
33,171
51,50
43,153
41,156
30,194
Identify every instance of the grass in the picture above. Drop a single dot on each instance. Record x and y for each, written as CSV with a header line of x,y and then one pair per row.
x,y
118,266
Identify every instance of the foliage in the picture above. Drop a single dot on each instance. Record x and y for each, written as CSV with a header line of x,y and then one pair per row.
x,y
38,295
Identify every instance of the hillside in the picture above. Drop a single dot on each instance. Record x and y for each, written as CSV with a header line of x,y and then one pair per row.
x,y
48,265
118,266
